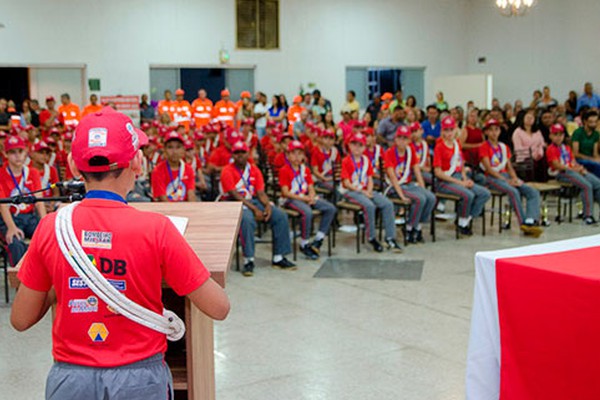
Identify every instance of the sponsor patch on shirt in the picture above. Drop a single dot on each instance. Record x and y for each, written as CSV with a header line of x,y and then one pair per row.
x,y
96,240
97,137
80,306
76,282
98,332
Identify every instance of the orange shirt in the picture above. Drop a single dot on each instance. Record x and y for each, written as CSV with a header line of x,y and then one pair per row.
x,y
167,106
183,114
293,116
225,111
70,113
90,109
202,111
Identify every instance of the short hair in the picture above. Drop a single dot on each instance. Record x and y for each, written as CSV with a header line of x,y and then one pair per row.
x,y
352,92
398,108
432,106
66,95
589,114
98,161
316,92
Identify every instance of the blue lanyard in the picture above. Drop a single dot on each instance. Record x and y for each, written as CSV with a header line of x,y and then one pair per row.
x,y
497,152
104,195
18,184
246,184
356,168
298,177
171,175
398,162
564,155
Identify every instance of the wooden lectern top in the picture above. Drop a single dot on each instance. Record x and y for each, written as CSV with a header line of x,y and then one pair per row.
x,y
212,230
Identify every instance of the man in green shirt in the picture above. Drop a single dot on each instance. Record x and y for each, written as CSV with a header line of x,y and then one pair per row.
x,y
585,143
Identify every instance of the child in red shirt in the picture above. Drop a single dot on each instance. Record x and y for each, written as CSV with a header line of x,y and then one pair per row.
x,y
452,178
324,159
406,183
19,221
357,188
375,153
297,189
563,166
421,150
173,179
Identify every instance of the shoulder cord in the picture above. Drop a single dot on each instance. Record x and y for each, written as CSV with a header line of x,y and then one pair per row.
x,y
168,323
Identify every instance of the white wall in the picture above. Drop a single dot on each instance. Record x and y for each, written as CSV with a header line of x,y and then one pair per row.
x,y
556,44
45,82
119,40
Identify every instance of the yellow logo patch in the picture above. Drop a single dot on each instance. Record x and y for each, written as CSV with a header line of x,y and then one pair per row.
x,y
98,332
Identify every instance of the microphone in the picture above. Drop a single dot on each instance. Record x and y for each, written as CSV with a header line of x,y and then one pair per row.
x,y
69,185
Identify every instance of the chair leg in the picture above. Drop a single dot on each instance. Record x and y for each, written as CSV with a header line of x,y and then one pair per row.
x,y
483,222
494,210
432,226
237,254
294,238
499,215
570,209
559,210
6,288
456,230
357,222
329,243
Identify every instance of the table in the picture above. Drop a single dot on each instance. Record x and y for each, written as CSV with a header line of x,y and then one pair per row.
x,y
212,231
535,329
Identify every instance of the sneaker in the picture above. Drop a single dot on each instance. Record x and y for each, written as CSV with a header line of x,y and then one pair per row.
x,y
466,230
248,269
410,236
316,245
284,264
376,245
531,230
589,220
308,251
419,237
393,246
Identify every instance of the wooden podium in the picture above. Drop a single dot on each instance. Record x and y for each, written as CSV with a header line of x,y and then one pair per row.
x,y
212,230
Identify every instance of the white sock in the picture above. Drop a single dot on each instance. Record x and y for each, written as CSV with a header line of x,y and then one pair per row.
x,y
248,259
277,257
529,221
418,227
409,227
319,236
304,242
463,222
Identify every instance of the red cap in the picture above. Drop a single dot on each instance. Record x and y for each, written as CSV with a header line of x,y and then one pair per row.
x,y
369,131
188,144
54,131
271,124
326,133
359,124
295,145
358,138
248,121
173,135
50,98
245,95
68,137
403,131
240,146
557,128
3,135
225,93
491,122
50,141
145,126
297,99
198,136
448,123
14,142
415,126
109,134
284,135
179,92
39,146
310,125
232,137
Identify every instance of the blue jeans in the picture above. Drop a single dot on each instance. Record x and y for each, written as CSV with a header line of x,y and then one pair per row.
x,y
369,206
422,203
592,166
279,226
473,199
25,222
327,209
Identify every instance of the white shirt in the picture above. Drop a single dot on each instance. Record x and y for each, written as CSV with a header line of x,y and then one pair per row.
x,y
260,108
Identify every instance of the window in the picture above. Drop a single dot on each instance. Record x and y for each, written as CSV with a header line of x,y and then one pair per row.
x,y
258,24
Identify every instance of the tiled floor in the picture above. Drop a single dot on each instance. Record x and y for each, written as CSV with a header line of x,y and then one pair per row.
x,y
291,336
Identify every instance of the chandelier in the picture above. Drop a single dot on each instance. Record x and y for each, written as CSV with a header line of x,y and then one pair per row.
x,y
513,8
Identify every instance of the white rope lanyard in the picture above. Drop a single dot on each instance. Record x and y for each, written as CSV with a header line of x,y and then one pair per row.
x,y
168,323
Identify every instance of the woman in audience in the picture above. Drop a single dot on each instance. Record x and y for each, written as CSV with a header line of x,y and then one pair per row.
x,y
471,138
528,144
411,102
571,105
276,111
329,122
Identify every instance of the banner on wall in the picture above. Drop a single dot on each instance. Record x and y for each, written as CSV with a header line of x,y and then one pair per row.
x,y
128,105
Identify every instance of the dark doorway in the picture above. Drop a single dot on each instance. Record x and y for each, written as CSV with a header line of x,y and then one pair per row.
x,y
14,85
211,79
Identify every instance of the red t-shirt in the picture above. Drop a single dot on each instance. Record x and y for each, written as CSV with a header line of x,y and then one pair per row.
x,y
393,159
172,183
297,181
375,155
280,160
325,160
47,177
494,154
220,157
563,154
443,155
421,150
24,183
247,182
357,173
135,251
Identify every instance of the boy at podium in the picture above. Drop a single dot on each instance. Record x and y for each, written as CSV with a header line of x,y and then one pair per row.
x,y
243,181
116,352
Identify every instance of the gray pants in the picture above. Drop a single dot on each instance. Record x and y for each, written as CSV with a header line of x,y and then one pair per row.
x,y
589,185
473,199
279,226
327,209
531,195
422,203
369,207
149,379
17,248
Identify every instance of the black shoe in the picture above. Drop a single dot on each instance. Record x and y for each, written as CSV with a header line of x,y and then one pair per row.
x,y
248,269
589,220
308,251
419,237
410,236
466,231
393,246
284,264
316,245
376,245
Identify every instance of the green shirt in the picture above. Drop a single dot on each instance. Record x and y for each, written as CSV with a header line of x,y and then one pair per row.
x,y
586,142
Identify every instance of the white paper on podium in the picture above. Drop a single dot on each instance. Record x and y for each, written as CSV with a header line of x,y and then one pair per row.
x,y
179,222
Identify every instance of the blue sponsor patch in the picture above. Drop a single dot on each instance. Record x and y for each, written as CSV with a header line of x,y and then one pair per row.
x,y
76,282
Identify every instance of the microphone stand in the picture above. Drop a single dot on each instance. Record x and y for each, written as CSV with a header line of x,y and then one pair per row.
x,y
29,199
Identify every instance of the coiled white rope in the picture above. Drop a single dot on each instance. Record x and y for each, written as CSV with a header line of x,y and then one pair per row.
x,y
168,323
